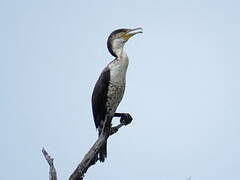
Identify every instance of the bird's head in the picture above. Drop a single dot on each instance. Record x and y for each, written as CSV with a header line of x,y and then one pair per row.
x,y
119,37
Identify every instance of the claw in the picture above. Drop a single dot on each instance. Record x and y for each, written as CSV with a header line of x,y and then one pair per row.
x,y
126,119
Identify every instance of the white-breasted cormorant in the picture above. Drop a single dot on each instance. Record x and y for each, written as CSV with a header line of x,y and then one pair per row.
x,y
110,86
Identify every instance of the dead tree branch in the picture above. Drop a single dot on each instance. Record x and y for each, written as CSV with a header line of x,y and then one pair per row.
x,y
52,170
91,157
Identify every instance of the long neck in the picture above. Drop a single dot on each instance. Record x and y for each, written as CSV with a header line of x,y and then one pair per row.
x,y
119,52
121,56
115,47
120,64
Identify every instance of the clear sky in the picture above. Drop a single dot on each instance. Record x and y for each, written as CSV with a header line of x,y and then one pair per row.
x,y
183,86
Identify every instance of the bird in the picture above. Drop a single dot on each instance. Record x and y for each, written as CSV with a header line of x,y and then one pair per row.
x,y
110,86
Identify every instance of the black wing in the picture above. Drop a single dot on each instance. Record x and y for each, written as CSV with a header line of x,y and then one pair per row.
x,y
99,97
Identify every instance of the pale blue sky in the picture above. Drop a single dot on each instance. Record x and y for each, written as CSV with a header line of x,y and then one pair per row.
x,y
183,87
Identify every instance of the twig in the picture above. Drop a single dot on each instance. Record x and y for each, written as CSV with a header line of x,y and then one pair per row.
x,y
52,170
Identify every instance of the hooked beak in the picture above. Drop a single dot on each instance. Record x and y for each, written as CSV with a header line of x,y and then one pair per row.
x,y
132,32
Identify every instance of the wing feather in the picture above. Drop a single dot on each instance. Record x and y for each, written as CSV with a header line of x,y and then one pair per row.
x,y
99,97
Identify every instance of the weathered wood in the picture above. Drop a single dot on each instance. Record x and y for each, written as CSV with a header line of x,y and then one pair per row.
x,y
52,170
91,157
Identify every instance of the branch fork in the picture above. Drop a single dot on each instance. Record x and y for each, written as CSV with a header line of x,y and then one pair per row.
x,y
90,157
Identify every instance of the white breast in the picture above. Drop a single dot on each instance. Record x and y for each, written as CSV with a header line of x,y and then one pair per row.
x,y
118,69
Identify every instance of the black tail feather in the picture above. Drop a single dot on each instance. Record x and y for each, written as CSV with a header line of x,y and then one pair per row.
x,y
103,152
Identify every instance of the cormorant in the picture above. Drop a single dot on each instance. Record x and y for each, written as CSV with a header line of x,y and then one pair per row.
x,y
110,86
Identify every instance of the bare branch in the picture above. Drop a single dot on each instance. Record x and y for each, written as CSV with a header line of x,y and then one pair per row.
x,y
52,170
91,157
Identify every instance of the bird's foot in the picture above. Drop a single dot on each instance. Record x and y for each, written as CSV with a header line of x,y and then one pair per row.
x,y
126,119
